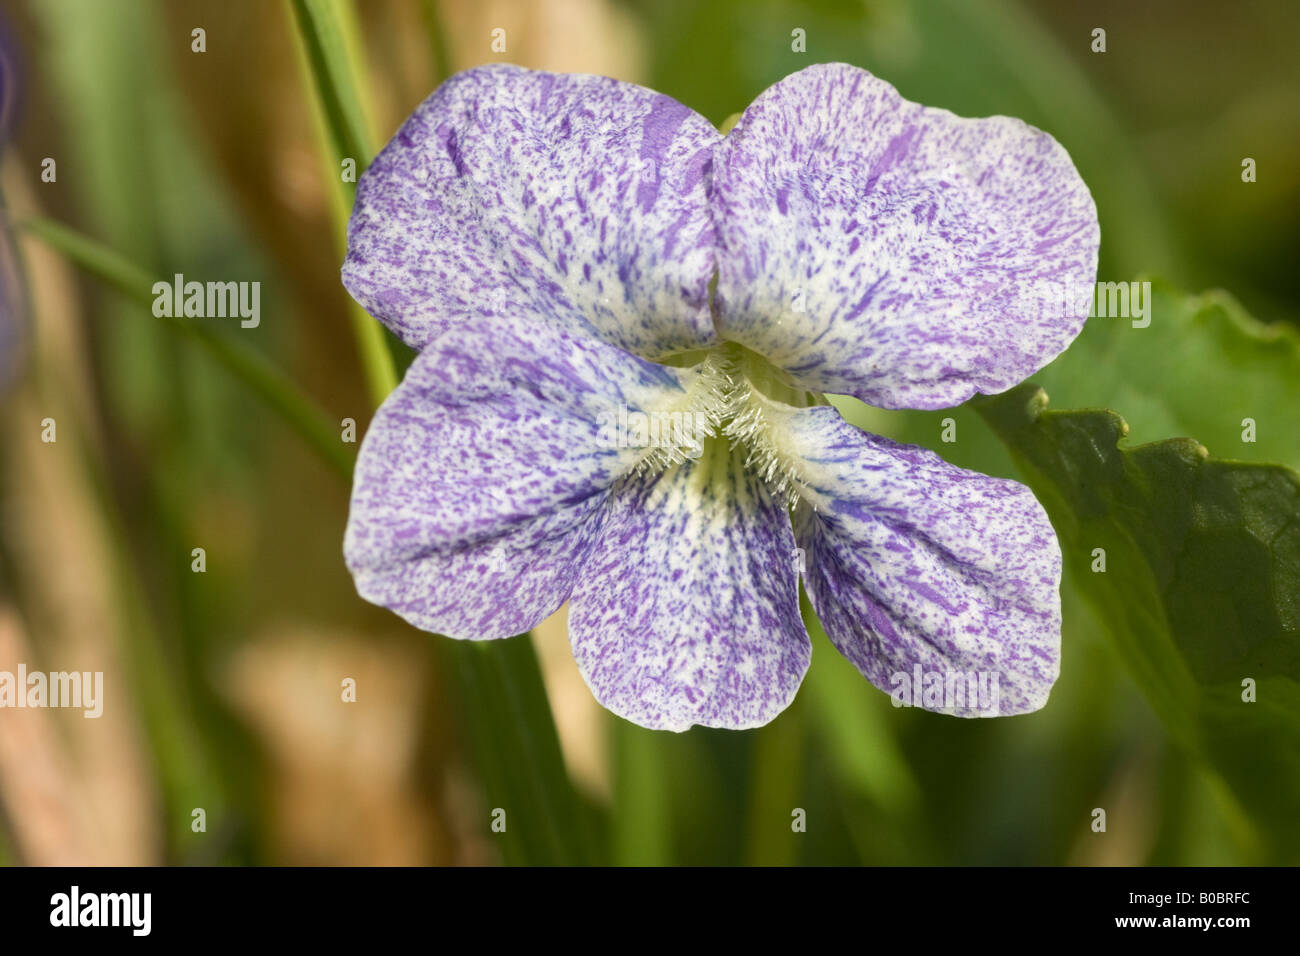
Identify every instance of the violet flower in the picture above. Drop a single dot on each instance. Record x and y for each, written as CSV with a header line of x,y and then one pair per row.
x,y
569,253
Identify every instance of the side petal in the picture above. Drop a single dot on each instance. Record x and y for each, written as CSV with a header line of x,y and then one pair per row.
x,y
480,483
919,568
578,198
912,258
687,611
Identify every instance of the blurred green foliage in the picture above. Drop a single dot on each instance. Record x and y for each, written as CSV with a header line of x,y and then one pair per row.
x,y
167,178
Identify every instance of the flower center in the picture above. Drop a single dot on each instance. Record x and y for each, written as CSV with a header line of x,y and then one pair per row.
x,y
740,398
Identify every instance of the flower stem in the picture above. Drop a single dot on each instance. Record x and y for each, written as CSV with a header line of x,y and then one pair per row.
x,y
642,827
511,730
330,45
517,752
439,58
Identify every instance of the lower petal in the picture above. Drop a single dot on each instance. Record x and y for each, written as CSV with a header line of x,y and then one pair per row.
x,y
919,569
687,611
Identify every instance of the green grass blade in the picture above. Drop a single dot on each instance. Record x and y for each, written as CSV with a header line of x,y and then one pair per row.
x,y
327,40
250,366
332,75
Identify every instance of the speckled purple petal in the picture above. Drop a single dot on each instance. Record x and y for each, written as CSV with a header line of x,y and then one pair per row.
x,y
918,567
480,484
687,611
577,199
898,253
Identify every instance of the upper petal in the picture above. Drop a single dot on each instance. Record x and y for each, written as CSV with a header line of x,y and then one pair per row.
x,y
578,198
479,485
914,563
895,252
687,611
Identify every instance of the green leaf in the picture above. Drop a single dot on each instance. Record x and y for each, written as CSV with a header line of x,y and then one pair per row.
x,y
1200,368
1201,588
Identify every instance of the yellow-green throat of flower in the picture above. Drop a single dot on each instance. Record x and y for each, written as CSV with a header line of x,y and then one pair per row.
x,y
736,399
